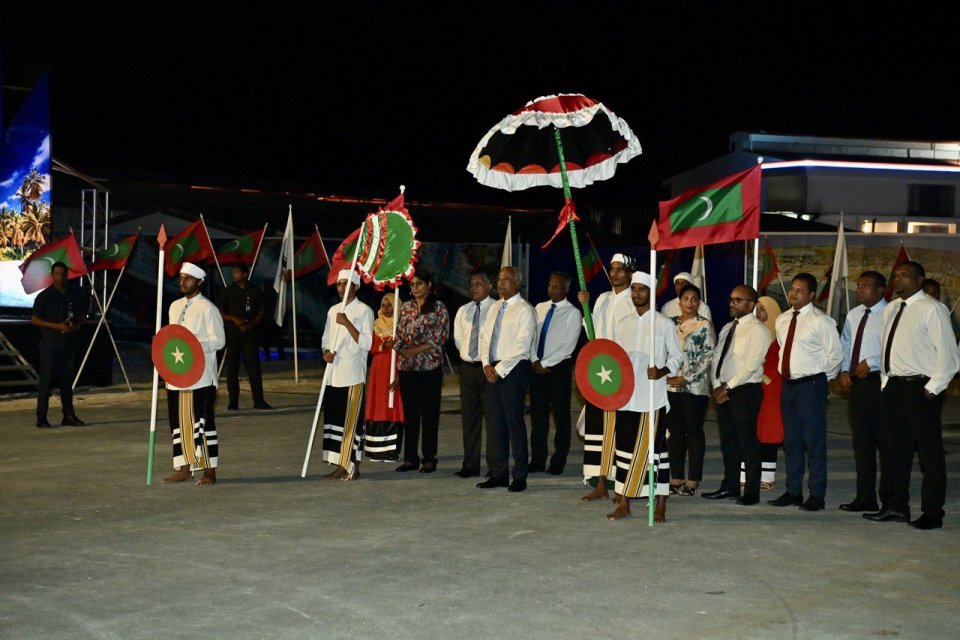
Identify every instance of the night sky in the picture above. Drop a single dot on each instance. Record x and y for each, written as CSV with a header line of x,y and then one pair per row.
x,y
372,95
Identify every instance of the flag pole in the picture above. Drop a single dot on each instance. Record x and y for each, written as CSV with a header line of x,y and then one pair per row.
x,y
328,369
393,352
293,300
651,416
756,262
214,251
326,258
161,240
259,244
100,323
587,317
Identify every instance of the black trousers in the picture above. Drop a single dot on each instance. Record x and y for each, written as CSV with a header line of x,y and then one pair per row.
x,y
474,413
738,438
550,392
685,422
507,424
911,423
57,361
248,345
865,414
421,413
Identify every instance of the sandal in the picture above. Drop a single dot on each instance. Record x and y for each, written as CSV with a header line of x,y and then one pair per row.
x,y
687,490
428,467
675,488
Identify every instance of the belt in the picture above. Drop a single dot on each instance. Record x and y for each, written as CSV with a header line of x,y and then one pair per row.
x,y
471,364
910,378
804,379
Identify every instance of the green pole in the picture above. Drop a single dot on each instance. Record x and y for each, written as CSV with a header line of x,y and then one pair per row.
x,y
153,436
587,317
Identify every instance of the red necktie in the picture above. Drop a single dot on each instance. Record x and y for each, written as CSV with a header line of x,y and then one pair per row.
x,y
789,346
855,356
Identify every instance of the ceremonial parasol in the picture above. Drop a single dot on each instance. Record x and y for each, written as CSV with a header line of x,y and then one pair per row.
x,y
565,140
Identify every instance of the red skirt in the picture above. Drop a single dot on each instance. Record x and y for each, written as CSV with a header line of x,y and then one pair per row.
x,y
770,421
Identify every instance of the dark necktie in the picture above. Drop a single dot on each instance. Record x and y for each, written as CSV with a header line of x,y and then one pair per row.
x,y
787,348
726,347
543,332
474,351
893,330
855,356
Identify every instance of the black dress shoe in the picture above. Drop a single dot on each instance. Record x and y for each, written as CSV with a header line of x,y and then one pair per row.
x,y
408,466
926,522
263,406
555,470
43,424
517,486
492,483
72,421
466,473
721,494
749,499
813,503
860,505
888,515
536,468
786,500
232,407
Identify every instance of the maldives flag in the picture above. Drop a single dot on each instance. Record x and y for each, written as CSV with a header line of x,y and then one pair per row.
x,y
724,211
190,245
592,265
241,250
768,269
665,277
825,289
310,256
36,268
343,258
901,258
115,256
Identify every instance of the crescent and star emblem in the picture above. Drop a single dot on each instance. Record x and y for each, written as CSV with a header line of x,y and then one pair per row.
x,y
111,251
177,251
230,246
709,208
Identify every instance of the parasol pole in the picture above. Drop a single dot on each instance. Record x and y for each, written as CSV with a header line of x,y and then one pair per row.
x,y
652,415
161,240
328,369
393,352
587,317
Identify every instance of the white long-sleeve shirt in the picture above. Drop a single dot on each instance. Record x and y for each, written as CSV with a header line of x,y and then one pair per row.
x,y
562,334
816,344
463,325
923,344
515,342
202,318
634,332
350,363
608,308
870,343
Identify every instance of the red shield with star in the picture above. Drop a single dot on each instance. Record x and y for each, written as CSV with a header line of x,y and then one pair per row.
x,y
178,356
604,374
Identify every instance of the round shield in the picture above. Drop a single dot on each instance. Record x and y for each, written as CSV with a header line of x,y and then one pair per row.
x,y
178,356
604,374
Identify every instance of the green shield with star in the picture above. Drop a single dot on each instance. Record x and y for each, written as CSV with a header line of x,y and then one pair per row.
x,y
604,374
178,356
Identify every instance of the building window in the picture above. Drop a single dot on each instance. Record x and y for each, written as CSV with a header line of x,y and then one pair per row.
x,y
932,200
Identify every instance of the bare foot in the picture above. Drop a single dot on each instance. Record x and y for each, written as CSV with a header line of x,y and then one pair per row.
x,y
660,510
337,474
617,498
180,475
599,492
209,477
622,510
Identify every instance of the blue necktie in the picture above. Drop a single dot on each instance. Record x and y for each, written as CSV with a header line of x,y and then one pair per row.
x,y
496,333
475,335
543,331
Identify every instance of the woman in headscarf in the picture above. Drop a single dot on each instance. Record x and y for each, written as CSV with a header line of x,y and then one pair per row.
x,y
770,422
383,425
424,329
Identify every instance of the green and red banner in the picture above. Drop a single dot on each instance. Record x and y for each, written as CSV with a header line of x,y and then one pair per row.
x,y
190,245
665,277
604,374
592,265
768,268
724,211
310,256
900,259
36,268
824,294
343,257
241,250
116,254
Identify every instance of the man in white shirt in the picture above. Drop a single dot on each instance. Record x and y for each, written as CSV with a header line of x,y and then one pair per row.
x,y
558,328
918,359
347,338
599,425
474,405
738,392
505,346
810,355
671,308
190,409
633,435
860,373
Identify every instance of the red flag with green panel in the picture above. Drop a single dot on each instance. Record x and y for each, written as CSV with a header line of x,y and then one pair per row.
x,y
36,268
724,211
116,254
343,257
241,250
592,265
768,269
900,259
190,245
310,256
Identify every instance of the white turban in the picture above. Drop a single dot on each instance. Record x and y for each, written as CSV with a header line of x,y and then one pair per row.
x,y
683,275
351,276
629,262
193,270
639,277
